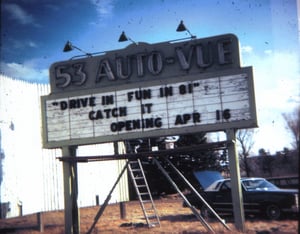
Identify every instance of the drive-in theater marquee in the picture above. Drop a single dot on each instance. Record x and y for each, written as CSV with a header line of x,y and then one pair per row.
x,y
149,90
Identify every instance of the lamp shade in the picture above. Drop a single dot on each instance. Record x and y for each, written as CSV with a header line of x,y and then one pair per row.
x,y
123,37
68,46
181,27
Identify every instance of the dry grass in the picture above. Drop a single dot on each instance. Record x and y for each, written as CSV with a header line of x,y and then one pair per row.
x,y
174,219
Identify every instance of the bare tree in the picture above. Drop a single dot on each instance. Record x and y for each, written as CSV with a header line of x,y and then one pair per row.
x,y
293,125
245,145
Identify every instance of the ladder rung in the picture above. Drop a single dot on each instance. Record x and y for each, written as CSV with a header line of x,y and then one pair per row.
x,y
145,201
133,161
145,193
152,217
134,170
138,178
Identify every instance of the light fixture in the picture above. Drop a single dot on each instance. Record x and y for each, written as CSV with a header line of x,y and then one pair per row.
x,y
181,27
123,37
69,46
11,124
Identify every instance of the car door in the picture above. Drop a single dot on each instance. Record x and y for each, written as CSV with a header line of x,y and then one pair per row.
x,y
249,197
222,199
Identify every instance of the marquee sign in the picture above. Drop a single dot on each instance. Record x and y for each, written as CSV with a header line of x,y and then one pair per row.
x,y
146,62
182,101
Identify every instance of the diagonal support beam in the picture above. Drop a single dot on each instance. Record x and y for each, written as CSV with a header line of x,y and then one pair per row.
x,y
196,192
101,210
194,210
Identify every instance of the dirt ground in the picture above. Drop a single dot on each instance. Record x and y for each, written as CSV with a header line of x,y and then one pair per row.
x,y
174,219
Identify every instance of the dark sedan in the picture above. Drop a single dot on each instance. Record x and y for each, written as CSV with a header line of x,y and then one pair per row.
x,y
259,197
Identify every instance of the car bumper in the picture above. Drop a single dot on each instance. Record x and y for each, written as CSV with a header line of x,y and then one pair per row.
x,y
293,209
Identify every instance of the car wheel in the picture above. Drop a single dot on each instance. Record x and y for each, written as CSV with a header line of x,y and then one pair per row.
x,y
273,211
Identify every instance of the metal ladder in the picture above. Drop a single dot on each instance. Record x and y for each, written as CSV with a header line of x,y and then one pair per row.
x,y
143,192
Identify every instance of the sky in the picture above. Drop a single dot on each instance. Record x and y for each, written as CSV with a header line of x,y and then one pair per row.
x,y
34,32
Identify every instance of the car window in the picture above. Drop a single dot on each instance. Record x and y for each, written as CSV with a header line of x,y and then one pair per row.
x,y
258,184
226,186
218,185
214,186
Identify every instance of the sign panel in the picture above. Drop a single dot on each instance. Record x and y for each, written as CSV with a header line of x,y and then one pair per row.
x,y
200,102
143,62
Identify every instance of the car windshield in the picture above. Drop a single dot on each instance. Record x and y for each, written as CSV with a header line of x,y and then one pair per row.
x,y
258,185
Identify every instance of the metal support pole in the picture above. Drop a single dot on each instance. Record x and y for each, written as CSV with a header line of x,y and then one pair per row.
x,y
72,223
117,152
122,210
40,221
236,189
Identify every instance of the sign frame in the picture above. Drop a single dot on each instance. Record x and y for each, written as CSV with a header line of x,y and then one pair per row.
x,y
249,123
